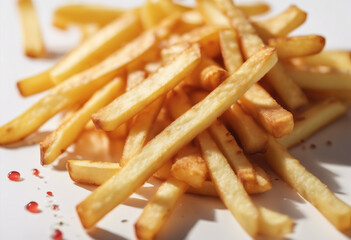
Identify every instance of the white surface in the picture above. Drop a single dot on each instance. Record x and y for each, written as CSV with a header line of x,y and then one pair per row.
x,y
195,217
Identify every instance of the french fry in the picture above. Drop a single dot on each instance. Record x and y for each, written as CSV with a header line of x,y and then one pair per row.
x,y
57,142
282,24
88,30
211,14
154,86
335,59
254,9
272,117
98,47
297,46
170,140
307,185
228,186
320,78
35,84
274,224
159,208
208,189
252,138
81,14
76,89
91,172
189,20
230,50
139,130
32,38
212,76
164,172
311,120
342,95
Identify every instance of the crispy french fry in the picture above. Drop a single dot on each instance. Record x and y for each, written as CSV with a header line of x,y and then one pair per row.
x,y
274,224
211,14
297,46
307,185
189,20
320,78
164,172
342,95
159,208
154,86
253,9
98,47
57,142
335,59
88,30
32,38
311,120
81,14
169,141
91,172
228,186
35,84
139,130
212,76
282,24
275,119
252,138
135,78
208,189
230,50
76,89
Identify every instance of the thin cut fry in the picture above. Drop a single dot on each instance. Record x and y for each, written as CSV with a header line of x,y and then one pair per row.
x,y
308,186
311,120
91,172
32,38
230,50
297,46
252,138
57,142
35,84
275,119
228,186
170,140
159,208
98,47
76,89
253,9
154,86
274,224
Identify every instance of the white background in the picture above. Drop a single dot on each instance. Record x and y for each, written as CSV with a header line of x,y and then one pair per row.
x,y
195,217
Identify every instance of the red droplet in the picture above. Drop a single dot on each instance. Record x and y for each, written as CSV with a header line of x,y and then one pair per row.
x,y
36,172
14,176
55,207
49,194
33,207
57,235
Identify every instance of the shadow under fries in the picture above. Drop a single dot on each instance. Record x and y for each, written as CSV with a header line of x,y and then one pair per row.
x,y
189,210
99,233
32,139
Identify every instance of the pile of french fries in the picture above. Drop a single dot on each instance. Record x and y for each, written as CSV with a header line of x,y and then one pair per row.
x,y
186,95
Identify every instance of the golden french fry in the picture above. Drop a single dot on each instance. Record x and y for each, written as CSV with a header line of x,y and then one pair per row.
x,y
230,50
139,130
88,30
57,142
208,189
335,59
32,38
159,208
91,172
320,78
164,172
307,185
35,84
297,46
76,89
154,86
81,14
282,24
274,224
170,140
311,120
342,95
98,47
211,14
135,78
228,186
252,138
253,9
275,119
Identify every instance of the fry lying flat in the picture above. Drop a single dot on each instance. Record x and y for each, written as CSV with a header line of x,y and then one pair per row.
x,y
168,142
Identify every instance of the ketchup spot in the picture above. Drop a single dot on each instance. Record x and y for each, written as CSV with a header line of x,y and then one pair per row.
x,y
49,194
14,176
57,235
33,207
36,172
55,207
